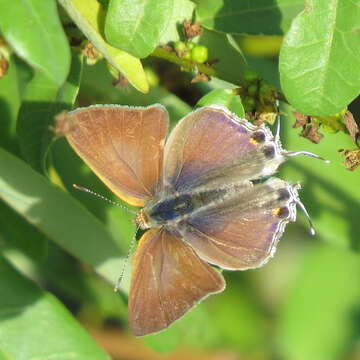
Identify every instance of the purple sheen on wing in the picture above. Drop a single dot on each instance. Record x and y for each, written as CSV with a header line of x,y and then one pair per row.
x,y
234,241
207,139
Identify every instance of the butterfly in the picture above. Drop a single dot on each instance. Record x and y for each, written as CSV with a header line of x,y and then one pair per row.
x,y
207,197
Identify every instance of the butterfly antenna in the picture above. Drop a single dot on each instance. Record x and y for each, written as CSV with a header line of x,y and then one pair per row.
x,y
303,209
126,260
305,153
84,189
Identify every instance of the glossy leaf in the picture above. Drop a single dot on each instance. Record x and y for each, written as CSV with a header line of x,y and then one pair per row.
x,y
42,101
226,98
320,55
89,16
317,320
137,26
57,215
33,29
254,17
28,314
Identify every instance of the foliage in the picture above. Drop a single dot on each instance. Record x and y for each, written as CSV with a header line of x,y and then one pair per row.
x,y
241,54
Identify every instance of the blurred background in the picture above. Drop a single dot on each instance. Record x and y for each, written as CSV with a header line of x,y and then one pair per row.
x,y
304,304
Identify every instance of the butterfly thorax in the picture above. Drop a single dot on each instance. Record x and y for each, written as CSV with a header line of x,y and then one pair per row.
x,y
174,208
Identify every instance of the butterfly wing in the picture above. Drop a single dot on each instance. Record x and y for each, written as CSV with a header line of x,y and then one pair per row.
x,y
242,231
213,146
122,145
168,279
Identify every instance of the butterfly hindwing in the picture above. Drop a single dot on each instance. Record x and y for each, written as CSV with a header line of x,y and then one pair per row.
x,y
242,230
168,279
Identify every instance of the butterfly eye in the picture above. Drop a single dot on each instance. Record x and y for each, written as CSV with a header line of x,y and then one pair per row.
x,y
269,151
258,137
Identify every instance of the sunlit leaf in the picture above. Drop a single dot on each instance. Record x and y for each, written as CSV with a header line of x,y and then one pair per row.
x,y
226,98
57,215
137,26
89,16
33,29
320,57
182,10
29,315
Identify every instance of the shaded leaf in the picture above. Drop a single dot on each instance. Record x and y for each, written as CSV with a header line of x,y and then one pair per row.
x,y
230,64
137,26
9,107
320,55
266,66
330,192
27,313
97,88
42,101
254,17
57,215
13,230
89,16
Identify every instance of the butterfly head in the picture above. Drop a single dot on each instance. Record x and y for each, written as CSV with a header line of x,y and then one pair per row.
x,y
142,220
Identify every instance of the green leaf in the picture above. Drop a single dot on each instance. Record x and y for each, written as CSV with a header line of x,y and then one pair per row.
x,y
137,26
188,331
248,17
182,10
88,15
42,101
20,235
266,66
98,89
228,57
9,107
33,29
224,97
58,216
29,316
317,321
329,191
320,57
247,335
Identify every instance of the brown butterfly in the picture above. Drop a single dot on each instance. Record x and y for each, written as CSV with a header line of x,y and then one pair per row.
x,y
201,195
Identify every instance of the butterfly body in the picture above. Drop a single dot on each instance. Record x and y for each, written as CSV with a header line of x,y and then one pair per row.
x,y
207,196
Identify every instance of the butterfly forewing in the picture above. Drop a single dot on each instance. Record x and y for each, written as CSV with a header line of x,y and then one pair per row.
x,y
123,146
168,279
211,146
